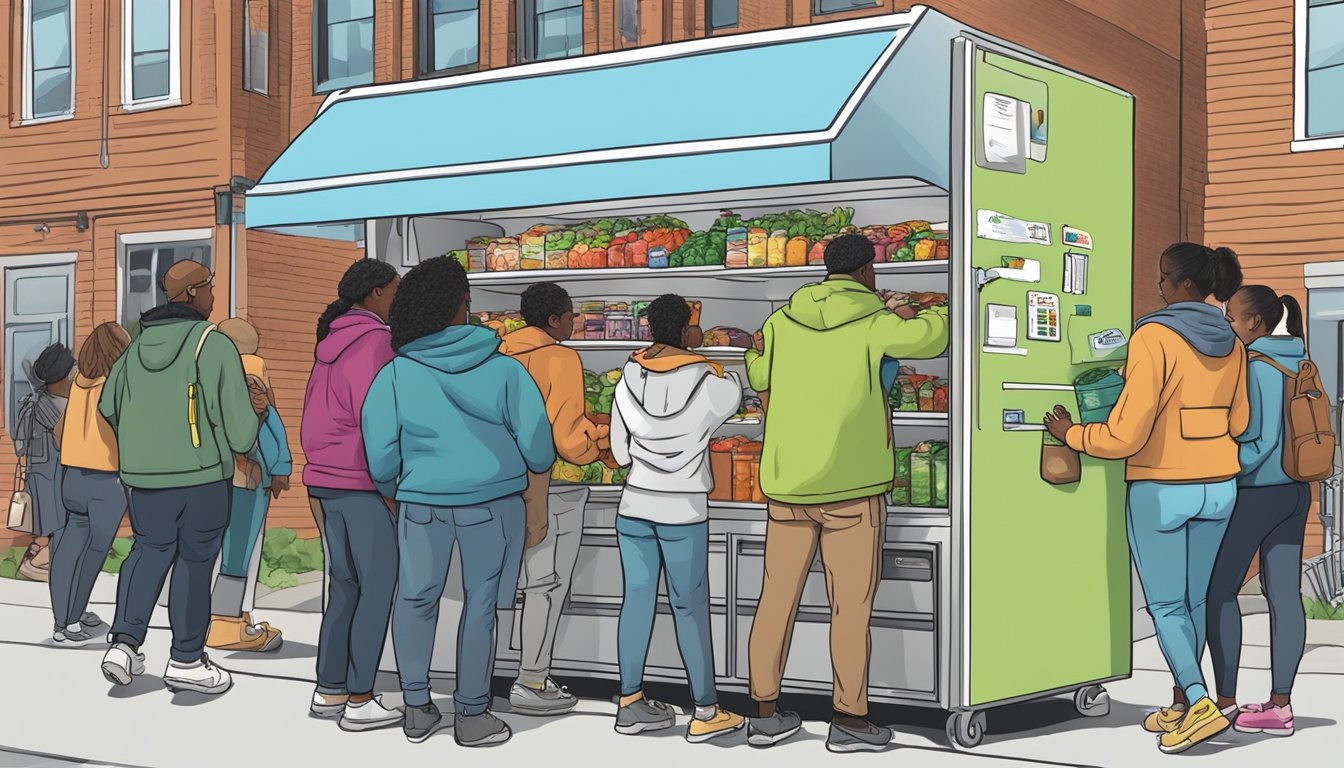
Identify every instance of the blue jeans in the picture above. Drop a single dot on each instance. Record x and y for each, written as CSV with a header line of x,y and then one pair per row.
x,y
682,553
1175,530
361,542
490,540
96,502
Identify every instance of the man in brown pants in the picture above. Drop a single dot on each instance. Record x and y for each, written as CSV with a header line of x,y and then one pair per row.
x,y
827,361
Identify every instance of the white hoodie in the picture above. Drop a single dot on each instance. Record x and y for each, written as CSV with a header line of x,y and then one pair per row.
x,y
665,410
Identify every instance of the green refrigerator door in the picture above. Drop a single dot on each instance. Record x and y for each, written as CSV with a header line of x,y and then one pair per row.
x,y
1049,573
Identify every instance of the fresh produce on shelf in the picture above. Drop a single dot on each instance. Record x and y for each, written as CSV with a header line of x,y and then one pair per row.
x,y
724,336
502,254
596,473
921,475
598,391
705,249
461,256
558,243
750,409
502,323
915,392
532,247
919,299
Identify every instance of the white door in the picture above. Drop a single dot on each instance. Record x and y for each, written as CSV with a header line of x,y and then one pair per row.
x,y
38,312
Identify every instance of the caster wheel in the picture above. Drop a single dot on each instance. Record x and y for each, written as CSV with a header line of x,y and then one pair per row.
x,y
966,729
1092,701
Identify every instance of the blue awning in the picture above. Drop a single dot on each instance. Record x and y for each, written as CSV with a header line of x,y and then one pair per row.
x,y
826,103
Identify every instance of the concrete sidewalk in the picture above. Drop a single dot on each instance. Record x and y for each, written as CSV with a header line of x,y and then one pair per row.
x,y
65,713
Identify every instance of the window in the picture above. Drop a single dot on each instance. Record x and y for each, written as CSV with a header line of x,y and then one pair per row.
x,y
1319,76
145,260
627,20
48,74
257,45
450,33
38,313
344,38
822,7
722,14
552,29
151,62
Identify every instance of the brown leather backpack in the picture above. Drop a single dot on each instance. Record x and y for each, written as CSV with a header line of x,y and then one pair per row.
x,y
1308,438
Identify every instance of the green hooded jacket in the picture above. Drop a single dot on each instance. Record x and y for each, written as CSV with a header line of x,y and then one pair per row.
x,y
145,401
827,423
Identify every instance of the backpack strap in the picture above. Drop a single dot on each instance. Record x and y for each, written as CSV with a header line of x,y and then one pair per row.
x,y
193,389
1280,367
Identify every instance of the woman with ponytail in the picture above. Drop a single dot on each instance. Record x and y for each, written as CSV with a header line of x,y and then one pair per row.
x,y
1175,425
359,535
1270,516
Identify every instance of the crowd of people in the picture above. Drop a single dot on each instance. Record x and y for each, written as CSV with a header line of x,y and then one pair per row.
x,y
424,433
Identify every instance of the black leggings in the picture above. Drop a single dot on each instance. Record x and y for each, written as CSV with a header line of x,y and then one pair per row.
x,y
1270,520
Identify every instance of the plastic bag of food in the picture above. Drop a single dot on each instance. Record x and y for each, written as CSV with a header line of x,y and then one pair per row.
x,y
926,396
921,476
900,491
938,451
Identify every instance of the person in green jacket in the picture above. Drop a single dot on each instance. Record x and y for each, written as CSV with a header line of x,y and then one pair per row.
x,y
181,408
827,462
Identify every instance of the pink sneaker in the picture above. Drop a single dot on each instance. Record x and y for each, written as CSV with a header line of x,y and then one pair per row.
x,y
1266,718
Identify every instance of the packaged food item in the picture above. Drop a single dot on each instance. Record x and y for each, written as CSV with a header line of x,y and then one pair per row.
x,y
460,255
900,490
476,254
616,257
735,256
724,336
557,245
909,393
637,253
939,454
758,247
620,324
926,396
640,310
593,316
721,466
532,248
795,252
596,258
924,249
776,249
746,471
657,257
502,254
695,312
940,396
921,476
817,255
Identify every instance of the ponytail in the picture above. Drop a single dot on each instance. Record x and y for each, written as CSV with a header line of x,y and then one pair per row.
x,y
1261,301
1213,271
360,280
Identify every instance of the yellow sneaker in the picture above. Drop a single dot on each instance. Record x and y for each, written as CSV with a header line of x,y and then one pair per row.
x,y
1201,723
1164,720
721,724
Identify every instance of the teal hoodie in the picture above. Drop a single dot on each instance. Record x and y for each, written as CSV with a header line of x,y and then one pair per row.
x,y
145,401
451,422
1261,445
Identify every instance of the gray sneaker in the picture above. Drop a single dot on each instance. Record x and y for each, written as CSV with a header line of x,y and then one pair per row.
x,y
553,699
90,620
873,738
422,722
643,716
769,731
73,636
483,730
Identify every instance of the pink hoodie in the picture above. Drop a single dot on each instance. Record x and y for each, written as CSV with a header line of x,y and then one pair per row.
x,y
348,359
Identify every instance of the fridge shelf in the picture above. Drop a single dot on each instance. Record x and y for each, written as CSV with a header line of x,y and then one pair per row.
x,y
527,277
918,419
624,345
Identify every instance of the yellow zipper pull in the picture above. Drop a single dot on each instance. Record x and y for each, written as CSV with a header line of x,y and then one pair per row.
x,y
191,416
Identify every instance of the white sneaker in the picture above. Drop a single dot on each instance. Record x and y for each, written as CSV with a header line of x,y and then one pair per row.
x,y
328,705
121,665
201,677
369,716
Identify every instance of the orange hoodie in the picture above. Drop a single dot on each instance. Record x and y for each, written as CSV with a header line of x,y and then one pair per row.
x,y
559,375
1179,414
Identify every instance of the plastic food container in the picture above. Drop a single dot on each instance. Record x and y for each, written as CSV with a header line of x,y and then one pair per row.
x,y
657,257
637,253
593,315
641,314
695,312
476,254
619,322
532,249
557,251
746,472
1097,392
502,255
758,247
900,490
735,256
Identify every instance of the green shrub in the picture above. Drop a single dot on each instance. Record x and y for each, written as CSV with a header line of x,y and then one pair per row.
x,y
117,555
9,562
284,556
1323,611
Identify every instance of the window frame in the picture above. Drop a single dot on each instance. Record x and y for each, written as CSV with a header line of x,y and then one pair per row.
x,y
528,28
321,56
27,96
424,42
817,10
174,96
130,241
621,41
64,262
1301,141
248,72
710,29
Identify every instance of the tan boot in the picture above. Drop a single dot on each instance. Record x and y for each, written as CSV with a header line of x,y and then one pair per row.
x,y
29,567
237,633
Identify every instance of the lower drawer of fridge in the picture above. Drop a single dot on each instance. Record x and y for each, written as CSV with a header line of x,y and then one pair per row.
x,y
908,574
904,653
597,572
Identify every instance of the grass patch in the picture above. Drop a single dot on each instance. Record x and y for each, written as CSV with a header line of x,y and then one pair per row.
x,y
1322,611
284,556
9,562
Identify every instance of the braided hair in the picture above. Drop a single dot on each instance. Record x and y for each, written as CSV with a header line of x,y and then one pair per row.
x,y
356,284
427,299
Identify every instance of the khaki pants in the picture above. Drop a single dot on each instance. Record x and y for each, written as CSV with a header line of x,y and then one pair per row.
x,y
850,534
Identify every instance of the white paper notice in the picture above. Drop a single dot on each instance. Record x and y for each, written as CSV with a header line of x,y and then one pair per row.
x,y
1003,124
992,225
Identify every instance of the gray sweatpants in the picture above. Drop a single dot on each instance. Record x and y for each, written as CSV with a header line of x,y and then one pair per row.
x,y
1270,520
96,502
548,570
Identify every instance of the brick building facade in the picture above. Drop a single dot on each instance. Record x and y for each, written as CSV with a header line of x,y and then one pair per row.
x,y
125,148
